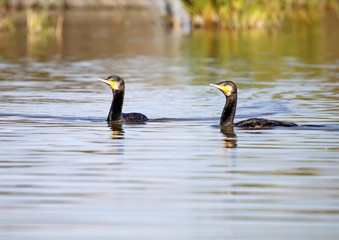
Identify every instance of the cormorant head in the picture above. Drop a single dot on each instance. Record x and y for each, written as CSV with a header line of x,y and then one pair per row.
x,y
115,82
227,87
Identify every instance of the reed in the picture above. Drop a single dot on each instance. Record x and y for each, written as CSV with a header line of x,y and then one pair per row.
x,y
248,14
40,23
8,18
38,20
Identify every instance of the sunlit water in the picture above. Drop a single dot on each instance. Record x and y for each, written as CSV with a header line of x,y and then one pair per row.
x,y
65,174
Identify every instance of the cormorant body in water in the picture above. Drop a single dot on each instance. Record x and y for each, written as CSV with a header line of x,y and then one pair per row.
x,y
230,90
117,85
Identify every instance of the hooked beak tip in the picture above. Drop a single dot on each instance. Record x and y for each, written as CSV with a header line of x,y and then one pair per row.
x,y
103,80
214,85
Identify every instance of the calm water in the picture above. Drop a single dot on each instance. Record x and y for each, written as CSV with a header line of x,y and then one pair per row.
x,y
65,174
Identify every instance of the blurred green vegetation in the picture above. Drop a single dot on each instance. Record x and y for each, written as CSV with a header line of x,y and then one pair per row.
x,y
222,14
38,20
264,55
248,14
8,18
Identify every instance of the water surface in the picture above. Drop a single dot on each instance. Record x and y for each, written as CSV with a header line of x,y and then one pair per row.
x,y
66,174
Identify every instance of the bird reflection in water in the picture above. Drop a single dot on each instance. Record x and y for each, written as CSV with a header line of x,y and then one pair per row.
x,y
117,132
231,137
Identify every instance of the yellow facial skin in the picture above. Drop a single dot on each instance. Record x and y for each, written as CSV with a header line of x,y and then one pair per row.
x,y
109,82
225,88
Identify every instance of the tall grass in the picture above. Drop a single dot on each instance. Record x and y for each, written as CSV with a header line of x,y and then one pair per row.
x,y
40,23
38,20
42,28
8,18
247,14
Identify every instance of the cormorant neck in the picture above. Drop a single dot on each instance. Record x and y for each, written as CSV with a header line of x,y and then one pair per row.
x,y
228,113
115,113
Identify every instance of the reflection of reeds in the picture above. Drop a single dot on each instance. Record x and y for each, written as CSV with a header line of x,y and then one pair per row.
x,y
7,19
39,23
42,28
247,14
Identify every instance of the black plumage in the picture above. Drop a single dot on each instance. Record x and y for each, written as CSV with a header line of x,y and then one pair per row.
x,y
117,84
227,117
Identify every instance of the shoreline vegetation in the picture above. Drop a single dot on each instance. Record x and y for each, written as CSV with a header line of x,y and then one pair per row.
x,y
251,14
164,12
183,15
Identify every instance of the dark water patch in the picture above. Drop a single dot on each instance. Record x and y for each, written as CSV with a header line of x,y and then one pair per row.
x,y
182,119
67,119
325,127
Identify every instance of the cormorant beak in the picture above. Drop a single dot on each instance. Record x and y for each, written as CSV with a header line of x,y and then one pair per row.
x,y
216,86
109,83
227,90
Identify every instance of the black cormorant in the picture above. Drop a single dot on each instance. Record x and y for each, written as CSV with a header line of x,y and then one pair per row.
x,y
117,85
230,90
